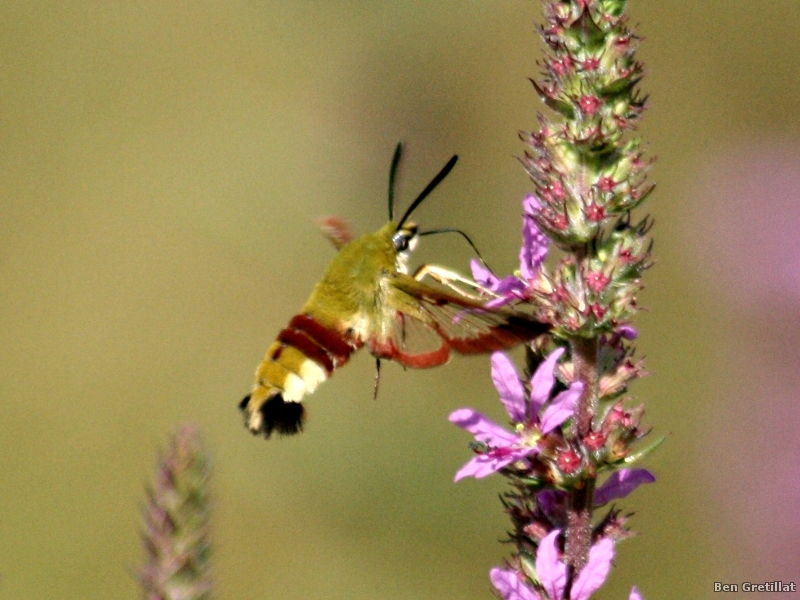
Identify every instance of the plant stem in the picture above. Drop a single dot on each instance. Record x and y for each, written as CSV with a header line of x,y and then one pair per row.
x,y
584,356
579,513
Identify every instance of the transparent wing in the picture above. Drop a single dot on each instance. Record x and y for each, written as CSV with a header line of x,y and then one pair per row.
x,y
426,322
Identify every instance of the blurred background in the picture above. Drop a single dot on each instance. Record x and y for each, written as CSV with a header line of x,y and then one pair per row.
x,y
162,166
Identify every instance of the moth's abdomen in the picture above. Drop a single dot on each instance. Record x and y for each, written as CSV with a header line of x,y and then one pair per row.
x,y
304,355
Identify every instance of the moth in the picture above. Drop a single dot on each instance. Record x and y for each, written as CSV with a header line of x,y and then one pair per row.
x,y
367,297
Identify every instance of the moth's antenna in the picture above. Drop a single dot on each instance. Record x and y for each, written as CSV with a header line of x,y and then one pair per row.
x,y
430,187
398,152
461,233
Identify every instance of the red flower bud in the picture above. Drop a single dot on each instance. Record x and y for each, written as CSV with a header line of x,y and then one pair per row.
x,y
568,461
594,441
589,104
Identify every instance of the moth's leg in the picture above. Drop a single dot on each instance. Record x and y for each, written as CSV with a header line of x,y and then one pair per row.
x,y
377,377
450,278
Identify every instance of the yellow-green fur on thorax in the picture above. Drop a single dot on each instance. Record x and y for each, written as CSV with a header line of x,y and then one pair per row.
x,y
350,291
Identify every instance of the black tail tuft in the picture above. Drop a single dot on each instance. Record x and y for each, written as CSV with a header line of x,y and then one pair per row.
x,y
284,417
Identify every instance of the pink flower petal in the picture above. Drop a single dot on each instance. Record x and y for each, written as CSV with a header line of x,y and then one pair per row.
x,y
509,387
551,571
635,595
481,274
483,429
543,380
553,503
531,204
620,484
507,289
595,571
511,586
534,242
484,465
561,408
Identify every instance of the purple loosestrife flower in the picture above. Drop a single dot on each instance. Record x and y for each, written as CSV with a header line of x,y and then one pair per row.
x,y
500,447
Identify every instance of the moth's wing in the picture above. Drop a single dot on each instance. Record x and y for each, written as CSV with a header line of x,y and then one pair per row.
x,y
337,230
467,325
428,322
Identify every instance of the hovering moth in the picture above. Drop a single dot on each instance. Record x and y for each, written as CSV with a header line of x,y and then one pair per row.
x,y
367,297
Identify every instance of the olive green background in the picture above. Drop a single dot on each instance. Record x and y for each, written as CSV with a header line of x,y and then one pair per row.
x,y
162,165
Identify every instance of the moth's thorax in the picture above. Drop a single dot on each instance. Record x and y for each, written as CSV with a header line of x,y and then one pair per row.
x,y
352,288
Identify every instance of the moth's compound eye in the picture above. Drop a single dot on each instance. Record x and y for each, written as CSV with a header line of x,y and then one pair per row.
x,y
400,241
405,239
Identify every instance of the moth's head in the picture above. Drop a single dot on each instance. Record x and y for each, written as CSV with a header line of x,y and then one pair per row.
x,y
404,240
394,243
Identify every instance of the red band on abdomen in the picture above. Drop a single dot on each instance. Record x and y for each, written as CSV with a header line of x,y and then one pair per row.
x,y
303,342
331,341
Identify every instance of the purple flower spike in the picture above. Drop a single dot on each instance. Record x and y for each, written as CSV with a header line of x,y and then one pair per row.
x,y
588,169
511,586
635,595
503,447
595,571
620,484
